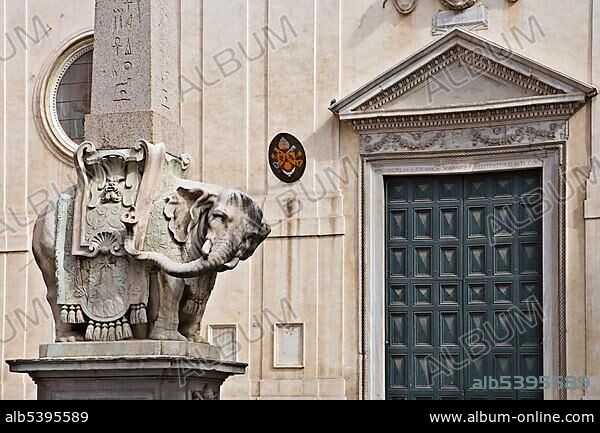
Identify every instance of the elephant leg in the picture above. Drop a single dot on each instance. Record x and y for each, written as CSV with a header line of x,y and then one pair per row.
x,y
198,294
170,291
43,251
193,331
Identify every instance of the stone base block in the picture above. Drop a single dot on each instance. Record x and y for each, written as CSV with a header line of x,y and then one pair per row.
x,y
137,370
130,348
124,130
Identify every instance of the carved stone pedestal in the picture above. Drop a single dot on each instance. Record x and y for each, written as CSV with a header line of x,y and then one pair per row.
x,y
136,370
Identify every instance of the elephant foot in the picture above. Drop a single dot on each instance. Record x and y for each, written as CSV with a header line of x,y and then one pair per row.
x,y
198,339
69,337
160,335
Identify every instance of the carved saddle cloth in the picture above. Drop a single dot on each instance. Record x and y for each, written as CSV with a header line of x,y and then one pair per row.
x,y
98,283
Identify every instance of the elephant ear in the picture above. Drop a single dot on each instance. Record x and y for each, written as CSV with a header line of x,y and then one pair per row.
x,y
184,210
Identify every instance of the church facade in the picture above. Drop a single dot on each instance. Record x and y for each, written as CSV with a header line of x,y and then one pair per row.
x,y
429,169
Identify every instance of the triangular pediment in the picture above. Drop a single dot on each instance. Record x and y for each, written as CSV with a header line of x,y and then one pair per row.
x,y
459,85
461,72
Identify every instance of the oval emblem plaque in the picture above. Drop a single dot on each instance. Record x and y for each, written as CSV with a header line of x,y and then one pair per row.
x,y
287,158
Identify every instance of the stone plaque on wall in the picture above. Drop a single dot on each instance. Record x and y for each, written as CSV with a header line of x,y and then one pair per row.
x,y
475,18
289,345
225,338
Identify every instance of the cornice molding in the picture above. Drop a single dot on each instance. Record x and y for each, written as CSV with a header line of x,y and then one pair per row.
x,y
524,111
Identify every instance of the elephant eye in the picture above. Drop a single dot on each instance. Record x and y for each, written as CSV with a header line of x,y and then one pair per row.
x,y
219,216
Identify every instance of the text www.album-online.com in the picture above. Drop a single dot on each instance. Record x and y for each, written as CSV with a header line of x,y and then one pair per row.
x,y
537,417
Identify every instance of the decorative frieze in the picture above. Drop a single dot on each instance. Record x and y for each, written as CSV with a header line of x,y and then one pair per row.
x,y
467,138
406,141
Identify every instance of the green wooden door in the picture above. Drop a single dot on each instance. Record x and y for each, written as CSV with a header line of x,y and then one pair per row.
x,y
464,286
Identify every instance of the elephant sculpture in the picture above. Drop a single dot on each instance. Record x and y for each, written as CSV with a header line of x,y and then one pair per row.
x,y
194,231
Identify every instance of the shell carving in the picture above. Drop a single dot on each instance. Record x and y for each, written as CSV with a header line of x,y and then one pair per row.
x,y
107,243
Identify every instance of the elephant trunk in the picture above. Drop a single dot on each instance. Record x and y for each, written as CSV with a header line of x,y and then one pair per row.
x,y
222,252
181,270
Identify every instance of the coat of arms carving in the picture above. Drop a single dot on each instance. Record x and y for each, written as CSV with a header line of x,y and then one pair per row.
x,y
287,158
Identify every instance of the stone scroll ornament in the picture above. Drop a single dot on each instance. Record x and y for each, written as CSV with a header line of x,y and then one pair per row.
x,y
403,6
134,250
458,5
407,6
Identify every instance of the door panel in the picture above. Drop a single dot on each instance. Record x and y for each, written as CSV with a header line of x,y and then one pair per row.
x,y
464,284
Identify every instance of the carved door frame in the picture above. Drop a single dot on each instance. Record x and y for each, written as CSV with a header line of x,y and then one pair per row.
x,y
549,157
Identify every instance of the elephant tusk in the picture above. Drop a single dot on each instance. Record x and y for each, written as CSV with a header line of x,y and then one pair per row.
x,y
206,248
232,264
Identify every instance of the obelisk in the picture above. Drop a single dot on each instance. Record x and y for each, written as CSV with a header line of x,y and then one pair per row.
x,y
135,86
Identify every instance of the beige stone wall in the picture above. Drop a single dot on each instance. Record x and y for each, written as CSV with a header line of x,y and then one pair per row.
x,y
591,342
310,265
